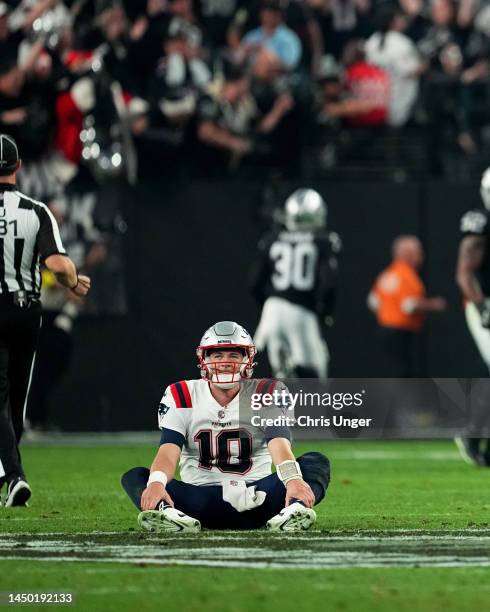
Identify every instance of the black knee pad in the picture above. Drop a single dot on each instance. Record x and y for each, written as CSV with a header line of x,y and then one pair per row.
x,y
134,475
316,467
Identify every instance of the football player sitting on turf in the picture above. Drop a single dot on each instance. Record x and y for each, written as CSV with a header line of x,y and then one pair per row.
x,y
225,462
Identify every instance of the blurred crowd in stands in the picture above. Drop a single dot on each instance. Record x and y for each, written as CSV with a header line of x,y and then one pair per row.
x,y
211,87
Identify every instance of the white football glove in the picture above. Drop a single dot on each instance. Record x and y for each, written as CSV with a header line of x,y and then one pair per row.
x,y
241,497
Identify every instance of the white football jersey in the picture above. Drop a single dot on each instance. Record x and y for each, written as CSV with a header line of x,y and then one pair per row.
x,y
220,442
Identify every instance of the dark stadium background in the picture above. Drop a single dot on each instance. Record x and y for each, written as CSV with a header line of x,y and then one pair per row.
x,y
88,90
188,268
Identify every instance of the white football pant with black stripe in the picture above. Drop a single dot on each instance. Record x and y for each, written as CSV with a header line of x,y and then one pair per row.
x,y
293,338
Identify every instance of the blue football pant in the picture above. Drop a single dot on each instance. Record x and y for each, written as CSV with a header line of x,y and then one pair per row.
x,y
206,503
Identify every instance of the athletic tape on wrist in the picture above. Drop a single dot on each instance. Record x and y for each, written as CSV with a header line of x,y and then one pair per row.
x,y
158,476
289,470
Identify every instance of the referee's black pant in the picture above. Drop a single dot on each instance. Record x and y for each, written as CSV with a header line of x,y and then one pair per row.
x,y
19,330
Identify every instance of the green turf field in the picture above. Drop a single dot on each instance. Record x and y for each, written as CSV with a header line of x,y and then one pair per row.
x,y
405,526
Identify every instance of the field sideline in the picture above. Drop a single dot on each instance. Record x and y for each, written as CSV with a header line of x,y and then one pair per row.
x,y
406,525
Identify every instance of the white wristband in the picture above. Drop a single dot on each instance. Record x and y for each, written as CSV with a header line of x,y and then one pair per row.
x,y
289,470
158,476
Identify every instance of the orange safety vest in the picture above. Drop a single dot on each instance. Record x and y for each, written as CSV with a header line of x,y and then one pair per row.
x,y
394,289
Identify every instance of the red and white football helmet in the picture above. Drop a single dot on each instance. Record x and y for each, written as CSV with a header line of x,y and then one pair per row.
x,y
226,335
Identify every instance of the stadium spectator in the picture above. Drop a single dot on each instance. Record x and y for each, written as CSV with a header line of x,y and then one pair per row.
x,y
329,96
341,21
337,101
224,120
297,16
278,125
239,119
302,21
273,42
415,12
9,40
369,88
393,51
149,27
184,20
356,97
164,22
166,52
114,32
216,19
27,107
173,90
399,300
458,64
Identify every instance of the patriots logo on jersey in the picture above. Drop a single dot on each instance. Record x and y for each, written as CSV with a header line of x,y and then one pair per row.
x,y
162,411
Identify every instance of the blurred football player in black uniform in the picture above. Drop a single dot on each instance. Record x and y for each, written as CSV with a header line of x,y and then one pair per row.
x,y
473,278
295,281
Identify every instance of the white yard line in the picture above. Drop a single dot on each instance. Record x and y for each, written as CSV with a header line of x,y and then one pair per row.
x,y
320,552
313,535
335,562
61,533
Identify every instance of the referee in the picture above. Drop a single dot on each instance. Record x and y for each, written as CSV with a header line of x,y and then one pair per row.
x,y
29,235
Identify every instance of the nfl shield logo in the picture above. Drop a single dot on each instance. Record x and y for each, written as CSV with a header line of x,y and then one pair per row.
x,y
221,414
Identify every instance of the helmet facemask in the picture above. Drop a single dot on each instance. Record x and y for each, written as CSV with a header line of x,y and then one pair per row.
x,y
226,336
225,374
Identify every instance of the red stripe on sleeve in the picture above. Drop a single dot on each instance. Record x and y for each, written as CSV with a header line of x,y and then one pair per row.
x,y
272,385
187,394
261,385
175,395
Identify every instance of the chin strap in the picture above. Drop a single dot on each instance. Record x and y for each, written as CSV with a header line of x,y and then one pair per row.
x,y
224,386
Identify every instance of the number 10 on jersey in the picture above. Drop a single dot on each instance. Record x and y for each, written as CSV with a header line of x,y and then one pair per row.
x,y
216,450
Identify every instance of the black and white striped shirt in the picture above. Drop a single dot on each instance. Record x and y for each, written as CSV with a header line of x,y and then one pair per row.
x,y
28,235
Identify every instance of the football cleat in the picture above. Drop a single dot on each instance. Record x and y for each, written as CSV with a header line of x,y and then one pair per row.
x,y
469,449
18,493
295,517
167,520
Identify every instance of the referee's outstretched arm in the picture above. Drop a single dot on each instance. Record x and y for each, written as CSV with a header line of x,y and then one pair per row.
x,y
66,274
